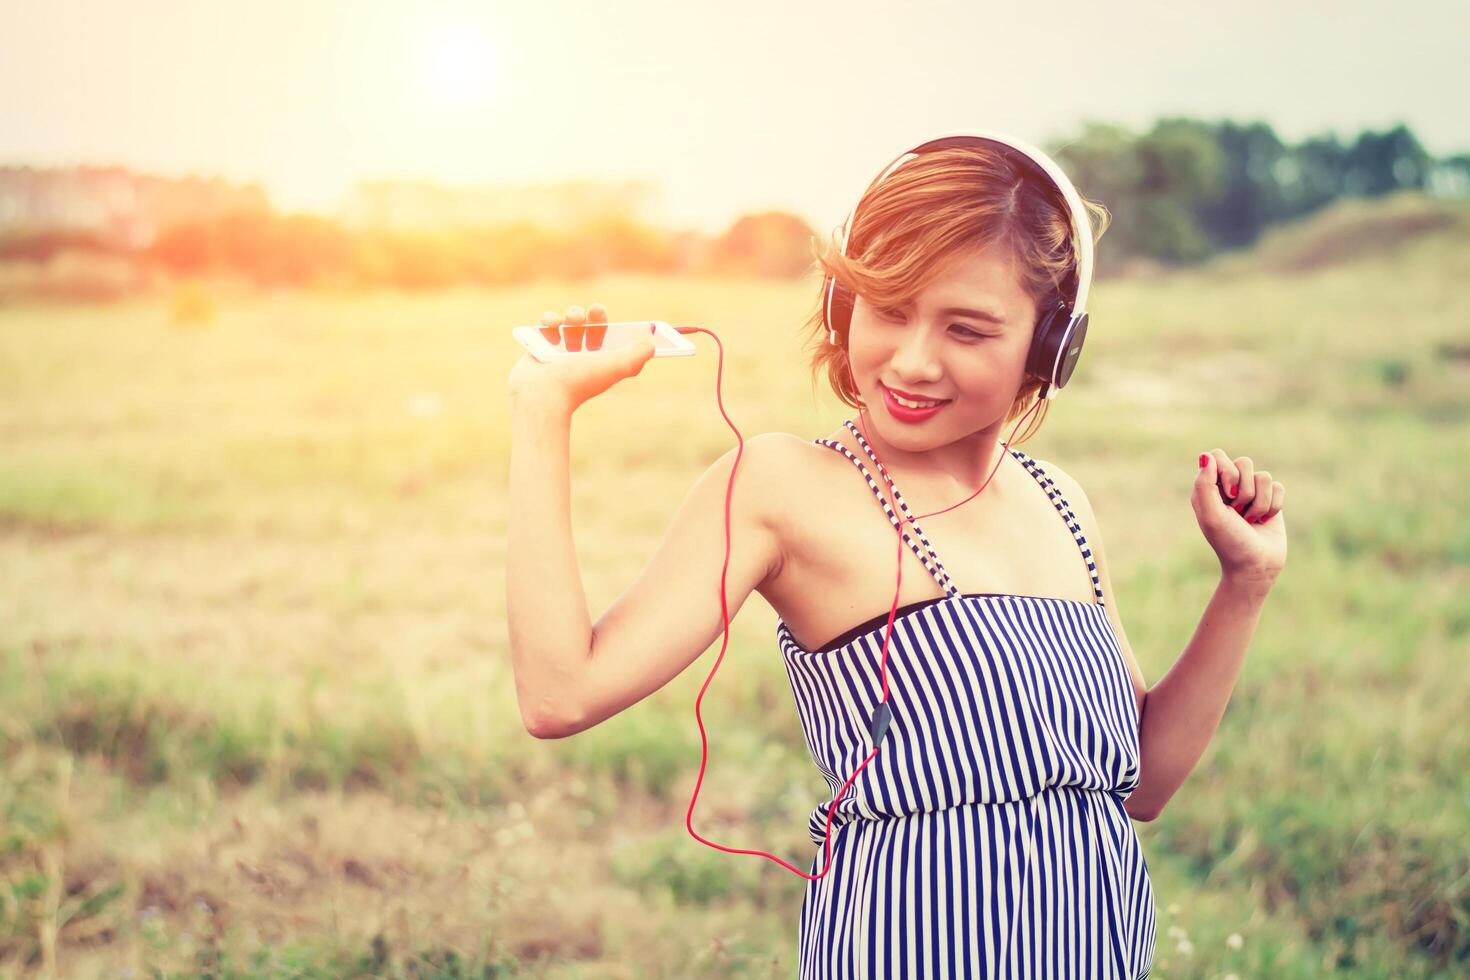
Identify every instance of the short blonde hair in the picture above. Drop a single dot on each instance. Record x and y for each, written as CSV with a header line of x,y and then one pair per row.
x,y
923,215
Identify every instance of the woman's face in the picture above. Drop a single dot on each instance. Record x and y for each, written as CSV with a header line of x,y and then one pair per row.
x,y
945,347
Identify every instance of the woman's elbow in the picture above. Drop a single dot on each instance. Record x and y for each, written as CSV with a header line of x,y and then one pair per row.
x,y
1141,813
543,729
547,720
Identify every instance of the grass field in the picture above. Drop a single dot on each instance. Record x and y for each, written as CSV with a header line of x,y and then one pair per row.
x,y
256,709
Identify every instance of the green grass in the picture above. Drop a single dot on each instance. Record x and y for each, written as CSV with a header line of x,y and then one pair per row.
x,y
256,710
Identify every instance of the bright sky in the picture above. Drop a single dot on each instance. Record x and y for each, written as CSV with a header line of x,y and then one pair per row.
x,y
727,106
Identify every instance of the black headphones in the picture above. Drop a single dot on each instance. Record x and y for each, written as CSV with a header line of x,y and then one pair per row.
x,y
1057,340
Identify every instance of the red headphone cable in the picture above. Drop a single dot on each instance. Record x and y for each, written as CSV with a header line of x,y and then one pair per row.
x,y
882,715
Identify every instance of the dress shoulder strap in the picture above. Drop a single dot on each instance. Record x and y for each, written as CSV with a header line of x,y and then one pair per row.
x,y
1065,509
925,554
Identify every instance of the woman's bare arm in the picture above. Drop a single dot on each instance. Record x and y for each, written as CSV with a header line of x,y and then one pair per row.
x,y
546,606
571,675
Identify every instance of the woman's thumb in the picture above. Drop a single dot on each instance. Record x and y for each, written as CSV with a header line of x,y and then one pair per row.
x,y
641,352
1205,481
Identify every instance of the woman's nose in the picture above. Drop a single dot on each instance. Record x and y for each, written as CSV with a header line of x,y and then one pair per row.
x,y
917,356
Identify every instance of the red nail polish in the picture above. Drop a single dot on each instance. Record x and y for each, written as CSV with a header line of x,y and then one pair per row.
x,y
1231,491
1203,457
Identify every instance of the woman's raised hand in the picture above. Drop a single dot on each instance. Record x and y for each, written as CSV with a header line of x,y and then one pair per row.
x,y
567,382
1241,511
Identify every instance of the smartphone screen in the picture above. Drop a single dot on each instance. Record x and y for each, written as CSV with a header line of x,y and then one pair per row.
x,y
602,336
567,341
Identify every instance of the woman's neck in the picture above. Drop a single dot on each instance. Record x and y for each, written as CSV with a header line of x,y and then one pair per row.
x,y
962,465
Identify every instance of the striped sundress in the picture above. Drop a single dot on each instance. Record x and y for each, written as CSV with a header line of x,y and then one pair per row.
x,y
987,838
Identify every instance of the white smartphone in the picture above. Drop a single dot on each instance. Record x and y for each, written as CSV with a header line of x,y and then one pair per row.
x,y
548,343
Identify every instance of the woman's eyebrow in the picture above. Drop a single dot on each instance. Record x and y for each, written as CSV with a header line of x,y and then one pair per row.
x,y
977,314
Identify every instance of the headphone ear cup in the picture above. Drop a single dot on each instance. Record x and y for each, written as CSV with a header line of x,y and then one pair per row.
x,y
842,304
1048,341
1075,337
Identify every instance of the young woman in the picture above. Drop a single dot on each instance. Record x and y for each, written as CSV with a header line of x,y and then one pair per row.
x,y
991,835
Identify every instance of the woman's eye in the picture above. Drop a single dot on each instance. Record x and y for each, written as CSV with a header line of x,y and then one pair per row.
x,y
891,313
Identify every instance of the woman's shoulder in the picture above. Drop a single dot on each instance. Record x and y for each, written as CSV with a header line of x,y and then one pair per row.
x,y
777,441
786,450
800,495
790,470
778,453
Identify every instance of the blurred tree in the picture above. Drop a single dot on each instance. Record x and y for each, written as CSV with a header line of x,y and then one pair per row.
x,y
270,249
187,248
1381,163
1183,169
607,243
423,260
41,245
1103,165
1153,185
1177,193
1312,174
773,243
1250,197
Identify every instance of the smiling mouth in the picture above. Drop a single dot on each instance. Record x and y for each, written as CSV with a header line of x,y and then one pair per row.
x,y
913,401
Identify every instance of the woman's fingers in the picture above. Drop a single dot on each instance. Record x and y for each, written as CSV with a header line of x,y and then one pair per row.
x,y
1245,492
596,326
1278,500
572,329
1269,497
1226,473
1238,483
576,326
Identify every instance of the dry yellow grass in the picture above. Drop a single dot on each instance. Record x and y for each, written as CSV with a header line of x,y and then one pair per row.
x,y
256,713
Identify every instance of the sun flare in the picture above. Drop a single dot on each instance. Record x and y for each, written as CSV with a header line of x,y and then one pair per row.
x,y
456,65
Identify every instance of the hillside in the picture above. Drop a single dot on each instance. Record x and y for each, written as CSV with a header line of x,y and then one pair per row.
x,y
1352,230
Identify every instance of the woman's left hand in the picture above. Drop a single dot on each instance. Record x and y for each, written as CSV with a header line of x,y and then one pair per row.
x,y
1245,527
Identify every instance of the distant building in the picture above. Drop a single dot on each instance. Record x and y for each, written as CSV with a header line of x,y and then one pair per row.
x,y
421,204
118,206
1449,178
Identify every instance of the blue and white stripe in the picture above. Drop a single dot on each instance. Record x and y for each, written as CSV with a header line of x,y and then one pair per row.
x,y
987,838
